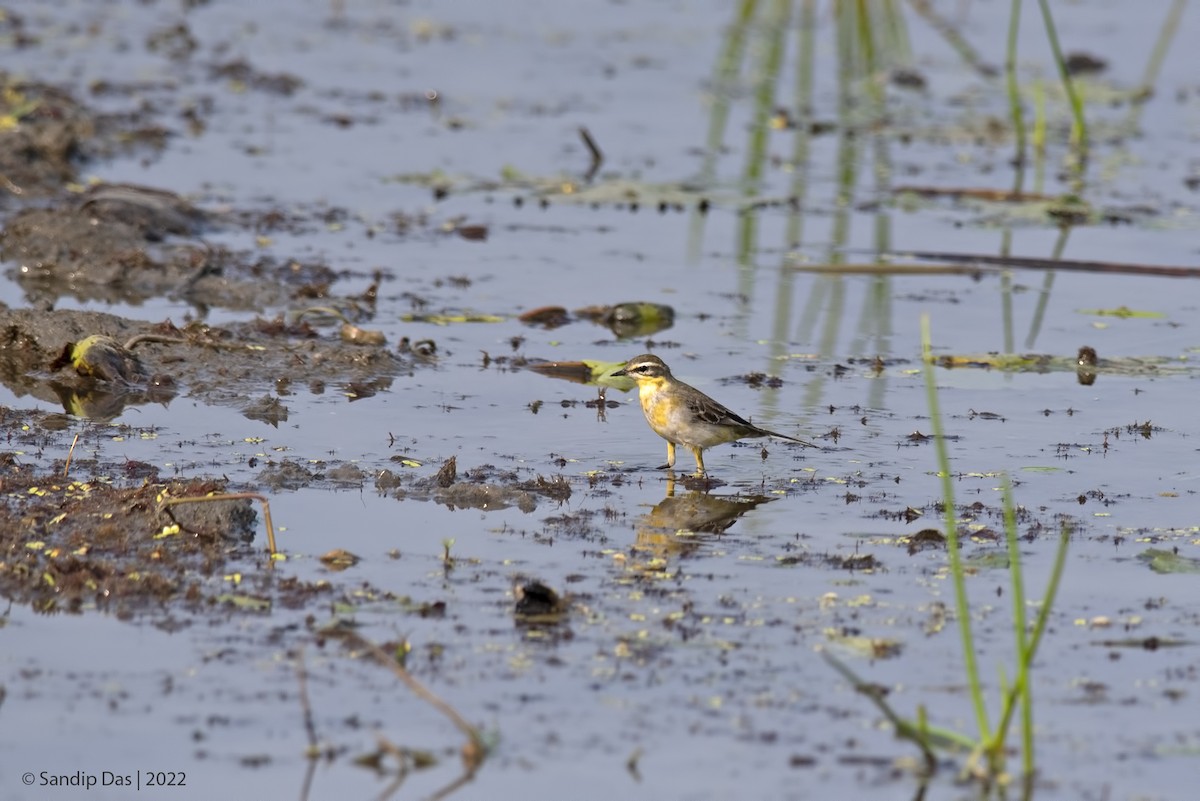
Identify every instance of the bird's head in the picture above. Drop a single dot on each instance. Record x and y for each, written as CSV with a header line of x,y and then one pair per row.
x,y
644,368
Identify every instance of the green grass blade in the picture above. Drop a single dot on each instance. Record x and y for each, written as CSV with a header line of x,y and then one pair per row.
x,y
1014,91
1080,129
952,550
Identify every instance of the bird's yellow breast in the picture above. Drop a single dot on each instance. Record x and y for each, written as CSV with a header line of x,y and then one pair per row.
x,y
655,404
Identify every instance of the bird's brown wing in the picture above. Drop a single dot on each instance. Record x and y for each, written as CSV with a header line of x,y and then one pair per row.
x,y
709,411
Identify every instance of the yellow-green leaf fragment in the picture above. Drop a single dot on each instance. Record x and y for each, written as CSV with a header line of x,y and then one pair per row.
x,y
1124,312
1163,561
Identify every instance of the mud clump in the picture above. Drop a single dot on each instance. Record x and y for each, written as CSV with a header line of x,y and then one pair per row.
x,y
224,366
287,475
69,545
481,488
42,152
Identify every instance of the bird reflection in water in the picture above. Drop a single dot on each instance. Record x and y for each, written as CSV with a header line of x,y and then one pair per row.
x,y
678,525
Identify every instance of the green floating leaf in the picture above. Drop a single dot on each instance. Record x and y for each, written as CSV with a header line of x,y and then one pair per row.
x,y
451,319
602,374
585,371
248,602
1161,561
867,647
992,560
1124,312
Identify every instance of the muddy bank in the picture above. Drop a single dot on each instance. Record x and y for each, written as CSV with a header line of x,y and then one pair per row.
x,y
239,365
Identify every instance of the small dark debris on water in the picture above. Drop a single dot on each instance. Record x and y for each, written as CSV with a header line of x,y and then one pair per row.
x,y
1144,430
757,380
447,473
537,604
355,335
238,70
267,409
387,480
579,372
156,213
596,155
638,319
134,469
985,534
1087,363
422,348
358,390
972,414
346,474
470,495
601,403
907,79
858,562
925,539
1151,643
556,488
472,233
339,559
286,475
1080,63
548,317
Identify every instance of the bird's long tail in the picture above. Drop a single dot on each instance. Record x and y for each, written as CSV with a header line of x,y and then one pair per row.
x,y
803,442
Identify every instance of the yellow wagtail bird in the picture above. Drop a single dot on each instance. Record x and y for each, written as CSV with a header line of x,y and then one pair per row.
x,y
683,415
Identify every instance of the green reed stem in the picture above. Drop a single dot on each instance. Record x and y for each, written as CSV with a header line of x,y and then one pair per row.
x,y
766,79
1039,311
1158,54
1080,127
1039,136
1022,688
802,106
962,604
1014,89
724,84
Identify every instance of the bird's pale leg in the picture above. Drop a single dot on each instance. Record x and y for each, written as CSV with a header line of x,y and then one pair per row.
x,y
670,457
698,452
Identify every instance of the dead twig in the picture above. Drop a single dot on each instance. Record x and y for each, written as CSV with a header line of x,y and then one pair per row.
x,y
70,453
594,150
891,268
1068,265
475,750
138,339
314,747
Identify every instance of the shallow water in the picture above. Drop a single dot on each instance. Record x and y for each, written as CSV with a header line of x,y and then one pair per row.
x,y
688,666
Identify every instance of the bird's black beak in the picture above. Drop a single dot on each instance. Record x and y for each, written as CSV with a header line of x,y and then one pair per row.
x,y
620,372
